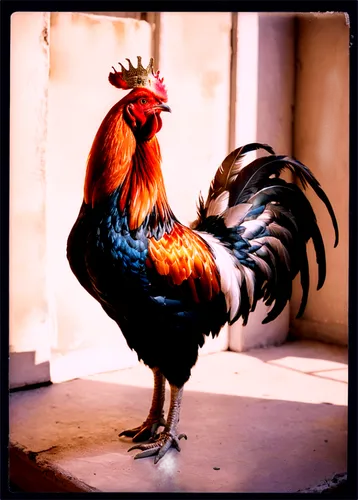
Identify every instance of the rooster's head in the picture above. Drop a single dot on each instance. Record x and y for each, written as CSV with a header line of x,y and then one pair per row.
x,y
143,105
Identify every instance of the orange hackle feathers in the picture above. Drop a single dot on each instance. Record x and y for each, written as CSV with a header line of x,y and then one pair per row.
x,y
143,189
182,255
117,159
110,158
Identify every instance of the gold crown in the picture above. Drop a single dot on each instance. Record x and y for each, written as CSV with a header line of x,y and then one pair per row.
x,y
140,76
132,78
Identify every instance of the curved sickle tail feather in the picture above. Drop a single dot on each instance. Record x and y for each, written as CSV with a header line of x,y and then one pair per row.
x,y
262,224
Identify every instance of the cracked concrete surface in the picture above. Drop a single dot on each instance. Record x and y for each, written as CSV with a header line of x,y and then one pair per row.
x,y
269,420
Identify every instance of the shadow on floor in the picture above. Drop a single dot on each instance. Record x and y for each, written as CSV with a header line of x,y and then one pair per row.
x,y
256,445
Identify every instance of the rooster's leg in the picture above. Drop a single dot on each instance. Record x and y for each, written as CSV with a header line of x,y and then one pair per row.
x,y
161,443
155,417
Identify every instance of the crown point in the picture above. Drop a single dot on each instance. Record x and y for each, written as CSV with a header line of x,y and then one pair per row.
x,y
140,63
150,65
131,67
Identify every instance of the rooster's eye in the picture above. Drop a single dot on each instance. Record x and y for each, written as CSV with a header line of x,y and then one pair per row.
x,y
143,101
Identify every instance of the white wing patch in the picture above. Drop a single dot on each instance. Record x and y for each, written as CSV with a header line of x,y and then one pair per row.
x,y
230,274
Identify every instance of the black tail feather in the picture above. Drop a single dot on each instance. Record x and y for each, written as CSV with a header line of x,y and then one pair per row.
x,y
230,167
289,218
305,281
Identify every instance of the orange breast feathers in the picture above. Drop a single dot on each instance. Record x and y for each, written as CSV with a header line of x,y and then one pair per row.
x,y
182,256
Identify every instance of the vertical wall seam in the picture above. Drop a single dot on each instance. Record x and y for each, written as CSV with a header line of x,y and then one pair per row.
x,y
233,82
156,39
292,317
50,289
154,19
295,82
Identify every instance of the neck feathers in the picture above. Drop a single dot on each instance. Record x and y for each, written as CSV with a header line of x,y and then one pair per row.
x,y
118,160
110,157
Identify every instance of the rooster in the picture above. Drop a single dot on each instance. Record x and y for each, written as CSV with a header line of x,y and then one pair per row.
x,y
169,286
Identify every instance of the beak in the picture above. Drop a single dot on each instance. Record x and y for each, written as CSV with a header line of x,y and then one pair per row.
x,y
163,107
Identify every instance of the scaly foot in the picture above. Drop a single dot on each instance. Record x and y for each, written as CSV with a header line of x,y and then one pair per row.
x,y
145,431
161,443
155,418
159,446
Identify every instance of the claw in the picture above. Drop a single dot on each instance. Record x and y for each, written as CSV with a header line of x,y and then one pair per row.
x,y
157,458
144,432
129,432
146,453
176,444
158,445
163,450
136,447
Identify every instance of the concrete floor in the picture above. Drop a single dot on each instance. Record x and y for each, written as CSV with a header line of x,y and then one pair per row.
x,y
269,420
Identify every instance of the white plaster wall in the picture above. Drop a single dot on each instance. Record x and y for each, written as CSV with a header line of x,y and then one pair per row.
x,y
83,49
321,141
195,63
30,320
60,323
276,75
265,93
